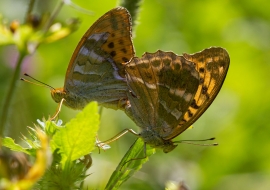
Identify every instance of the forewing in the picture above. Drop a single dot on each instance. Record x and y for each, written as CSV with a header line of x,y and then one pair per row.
x,y
212,65
162,87
96,71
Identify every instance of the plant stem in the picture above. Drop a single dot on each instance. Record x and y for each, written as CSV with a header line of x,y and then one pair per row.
x,y
53,15
29,10
12,88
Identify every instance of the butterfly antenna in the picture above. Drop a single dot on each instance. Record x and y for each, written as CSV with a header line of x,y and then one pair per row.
x,y
41,83
192,142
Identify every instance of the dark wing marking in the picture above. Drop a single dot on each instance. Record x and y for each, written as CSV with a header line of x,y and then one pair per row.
x,y
212,65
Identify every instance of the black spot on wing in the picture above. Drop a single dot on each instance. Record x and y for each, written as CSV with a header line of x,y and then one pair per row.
x,y
124,50
111,45
201,70
113,53
194,104
121,42
125,59
204,90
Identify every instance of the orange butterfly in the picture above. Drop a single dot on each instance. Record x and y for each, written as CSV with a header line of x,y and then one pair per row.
x,y
96,69
168,92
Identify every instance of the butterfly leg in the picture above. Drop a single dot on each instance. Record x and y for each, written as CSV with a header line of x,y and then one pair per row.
x,y
58,110
101,145
116,137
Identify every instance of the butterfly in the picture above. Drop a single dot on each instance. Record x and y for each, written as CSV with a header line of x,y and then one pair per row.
x,y
168,92
96,69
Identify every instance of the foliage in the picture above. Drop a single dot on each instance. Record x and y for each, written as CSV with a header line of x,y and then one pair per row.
x,y
70,141
67,143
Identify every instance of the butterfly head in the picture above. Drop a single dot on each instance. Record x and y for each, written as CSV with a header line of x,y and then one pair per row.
x,y
71,100
156,141
169,146
58,94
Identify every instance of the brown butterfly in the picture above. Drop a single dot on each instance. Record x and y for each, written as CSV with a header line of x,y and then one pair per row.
x,y
96,69
170,92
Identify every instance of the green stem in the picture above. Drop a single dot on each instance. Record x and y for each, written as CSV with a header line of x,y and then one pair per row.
x,y
53,15
29,10
8,99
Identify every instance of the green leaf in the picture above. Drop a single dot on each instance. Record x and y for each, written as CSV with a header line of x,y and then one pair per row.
x,y
10,143
131,162
78,137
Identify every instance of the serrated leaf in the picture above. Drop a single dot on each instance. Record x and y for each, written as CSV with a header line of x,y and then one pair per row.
x,y
10,143
130,163
77,138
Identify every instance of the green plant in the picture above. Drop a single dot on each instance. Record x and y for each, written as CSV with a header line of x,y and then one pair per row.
x,y
68,146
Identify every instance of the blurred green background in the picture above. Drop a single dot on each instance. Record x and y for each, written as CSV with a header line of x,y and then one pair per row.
x,y
238,118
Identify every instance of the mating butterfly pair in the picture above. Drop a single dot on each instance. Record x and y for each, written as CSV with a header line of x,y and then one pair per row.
x,y
163,93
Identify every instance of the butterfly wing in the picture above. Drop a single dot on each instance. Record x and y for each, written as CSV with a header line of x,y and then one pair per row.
x,y
95,71
212,65
162,87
